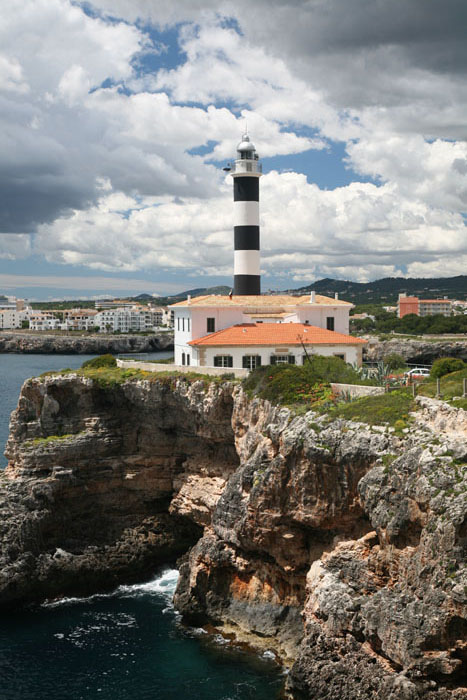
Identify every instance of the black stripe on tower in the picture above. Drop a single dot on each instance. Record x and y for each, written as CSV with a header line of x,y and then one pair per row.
x,y
246,189
246,237
247,284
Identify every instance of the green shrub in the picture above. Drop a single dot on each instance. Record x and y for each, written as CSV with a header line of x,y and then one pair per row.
x,y
100,361
308,383
446,365
394,361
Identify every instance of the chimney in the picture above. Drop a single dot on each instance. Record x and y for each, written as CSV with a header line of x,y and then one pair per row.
x,y
188,298
312,297
336,295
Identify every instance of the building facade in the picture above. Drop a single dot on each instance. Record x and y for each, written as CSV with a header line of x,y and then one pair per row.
x,y
204,317
255,344
422,307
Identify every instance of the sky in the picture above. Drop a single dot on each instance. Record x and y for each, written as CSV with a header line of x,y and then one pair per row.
x,y
117,117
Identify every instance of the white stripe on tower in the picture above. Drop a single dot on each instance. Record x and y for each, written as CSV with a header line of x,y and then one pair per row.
x,y
246,213
246,173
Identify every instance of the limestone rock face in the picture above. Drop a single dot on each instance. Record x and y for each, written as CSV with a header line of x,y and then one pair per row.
x,y
85,498
340,546
43,343
422,351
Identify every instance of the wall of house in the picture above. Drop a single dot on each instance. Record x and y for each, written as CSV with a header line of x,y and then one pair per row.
x,y
352,353
224,318
316,315
183,325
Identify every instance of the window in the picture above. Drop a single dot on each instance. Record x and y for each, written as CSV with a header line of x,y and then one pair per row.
x,y
251,361
183,324
223,360
330,323
183,358
282,359
188,322
188,358
210,325
178,324
341,356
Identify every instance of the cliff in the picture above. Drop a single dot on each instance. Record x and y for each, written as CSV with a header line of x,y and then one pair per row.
x,y
415,351
48,343
339,545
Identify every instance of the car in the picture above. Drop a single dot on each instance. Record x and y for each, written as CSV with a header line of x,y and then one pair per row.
x,y
417,373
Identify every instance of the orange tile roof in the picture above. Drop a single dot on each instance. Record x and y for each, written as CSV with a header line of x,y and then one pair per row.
x,y
276,334
260,301
434,301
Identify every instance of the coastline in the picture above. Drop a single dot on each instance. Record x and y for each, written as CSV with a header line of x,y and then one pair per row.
x,y
98,344
322,536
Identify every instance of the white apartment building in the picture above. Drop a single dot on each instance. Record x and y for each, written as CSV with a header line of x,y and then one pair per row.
x,y
125,320
10,318
44,321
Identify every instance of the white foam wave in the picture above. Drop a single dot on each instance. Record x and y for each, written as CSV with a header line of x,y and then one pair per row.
x,y
163,585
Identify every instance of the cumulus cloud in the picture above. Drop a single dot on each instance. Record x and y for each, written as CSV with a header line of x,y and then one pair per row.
x,y
305,232
112,163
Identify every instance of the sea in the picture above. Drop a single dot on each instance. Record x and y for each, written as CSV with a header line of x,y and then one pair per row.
x,y
130,644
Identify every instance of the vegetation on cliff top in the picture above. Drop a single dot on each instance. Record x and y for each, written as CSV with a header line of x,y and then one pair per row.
x,y
392,409
451,385
104,372
309,387
299,384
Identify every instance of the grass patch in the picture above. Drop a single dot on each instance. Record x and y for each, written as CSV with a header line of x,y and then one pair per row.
x,y
390,409
451,385
48,440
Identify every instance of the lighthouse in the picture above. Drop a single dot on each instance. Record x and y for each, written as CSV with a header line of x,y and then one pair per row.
x,y
246,171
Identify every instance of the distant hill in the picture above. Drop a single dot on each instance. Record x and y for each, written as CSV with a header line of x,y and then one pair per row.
x,y
383,291
198,292
388,289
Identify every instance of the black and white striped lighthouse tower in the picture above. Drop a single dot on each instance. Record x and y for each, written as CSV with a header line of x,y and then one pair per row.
x,y
246,171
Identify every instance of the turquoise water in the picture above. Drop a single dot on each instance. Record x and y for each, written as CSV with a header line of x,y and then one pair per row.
x,y
129,645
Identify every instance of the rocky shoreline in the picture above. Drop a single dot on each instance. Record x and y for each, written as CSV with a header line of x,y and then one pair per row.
x,y
48,343
339,545
415,351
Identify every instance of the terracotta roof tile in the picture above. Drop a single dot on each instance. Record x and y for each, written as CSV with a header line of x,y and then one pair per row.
x,y
276,334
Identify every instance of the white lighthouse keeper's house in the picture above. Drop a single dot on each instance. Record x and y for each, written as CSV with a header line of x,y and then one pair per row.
x,y
247,329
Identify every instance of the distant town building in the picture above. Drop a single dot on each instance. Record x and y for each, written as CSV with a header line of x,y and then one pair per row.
x,y
422,307
10,318
114,304
44,321
12,303
13,312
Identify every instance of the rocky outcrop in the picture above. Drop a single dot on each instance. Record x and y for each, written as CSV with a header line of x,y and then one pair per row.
x,y
84,503
339,545
415,351
47,343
